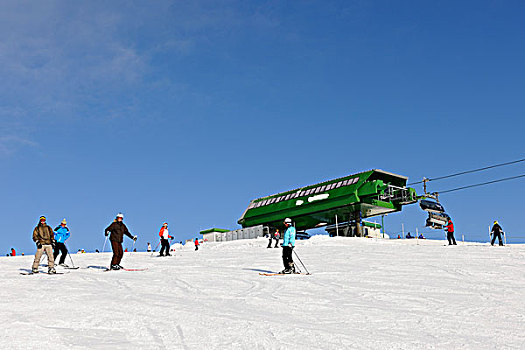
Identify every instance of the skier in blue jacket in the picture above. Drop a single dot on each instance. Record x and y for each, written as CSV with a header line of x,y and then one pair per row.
x,y
288,245
61,235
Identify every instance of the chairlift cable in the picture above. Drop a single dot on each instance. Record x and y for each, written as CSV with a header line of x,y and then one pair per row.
x,y
482,184
470,171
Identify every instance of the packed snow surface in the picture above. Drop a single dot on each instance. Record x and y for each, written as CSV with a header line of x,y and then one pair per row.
x,y
362,294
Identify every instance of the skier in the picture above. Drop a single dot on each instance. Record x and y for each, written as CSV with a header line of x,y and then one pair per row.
x,y
277,236
450,233
61,235
270,240
43,236
409,236
196,244
288,245
164,236
13,252
497,231
117,230
149,247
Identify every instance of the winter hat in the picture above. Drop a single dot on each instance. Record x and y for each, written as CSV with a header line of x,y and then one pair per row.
x,y
42,218
64,221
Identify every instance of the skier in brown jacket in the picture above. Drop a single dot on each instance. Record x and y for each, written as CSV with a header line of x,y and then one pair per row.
x,y
44,237
116,232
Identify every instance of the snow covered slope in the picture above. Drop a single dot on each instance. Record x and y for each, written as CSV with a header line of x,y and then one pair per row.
x,y
364,293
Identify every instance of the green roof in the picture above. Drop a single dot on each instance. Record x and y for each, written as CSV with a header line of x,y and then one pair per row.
x,y
371,224
211,230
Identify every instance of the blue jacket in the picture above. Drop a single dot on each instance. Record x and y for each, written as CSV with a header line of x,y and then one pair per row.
x,y
289,237
61,234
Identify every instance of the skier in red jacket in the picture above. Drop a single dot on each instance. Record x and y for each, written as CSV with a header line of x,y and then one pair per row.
x,y
13,252
450,233
196,244
164,236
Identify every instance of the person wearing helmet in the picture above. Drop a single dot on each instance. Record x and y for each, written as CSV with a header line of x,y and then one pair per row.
x,y
116,232
450,232
497,231
44,237
164,236
288,245
277,237
61,235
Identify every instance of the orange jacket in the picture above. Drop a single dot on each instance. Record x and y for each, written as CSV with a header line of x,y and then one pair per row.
x,y
161,233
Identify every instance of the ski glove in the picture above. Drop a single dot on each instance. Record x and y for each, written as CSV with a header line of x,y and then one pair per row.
x,y
38,245
134,238
106,233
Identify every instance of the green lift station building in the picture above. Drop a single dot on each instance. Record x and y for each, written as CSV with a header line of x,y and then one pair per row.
x,y
347,199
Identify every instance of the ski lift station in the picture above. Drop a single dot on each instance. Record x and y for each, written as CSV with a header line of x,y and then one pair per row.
x,y
339,204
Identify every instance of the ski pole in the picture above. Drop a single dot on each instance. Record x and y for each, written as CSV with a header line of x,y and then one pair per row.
x,y
104,246
72,263
155,249
301,262
132,247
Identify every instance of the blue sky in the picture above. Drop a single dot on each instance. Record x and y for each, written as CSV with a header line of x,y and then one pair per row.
x,y
185,111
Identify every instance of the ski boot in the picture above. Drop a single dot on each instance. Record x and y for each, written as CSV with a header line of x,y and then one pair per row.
x,y
33,270
120,267
52,271
292,268
63,265
114,267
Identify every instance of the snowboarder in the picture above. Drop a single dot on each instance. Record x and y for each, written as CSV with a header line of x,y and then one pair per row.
x,y
277,236
164,236
13,252
61,235
196,244
497,231
44,237
288,245
116,232
450,232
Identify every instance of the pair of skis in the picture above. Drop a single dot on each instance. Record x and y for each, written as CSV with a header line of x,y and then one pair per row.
x,y
282,274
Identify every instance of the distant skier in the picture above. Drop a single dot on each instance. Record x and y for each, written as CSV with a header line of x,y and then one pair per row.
x,y
497,231
421,236
13,252
409,236
270,240
149,247
450,232
288,245
196,244
277,237
164,236
44,237
61,235
116,232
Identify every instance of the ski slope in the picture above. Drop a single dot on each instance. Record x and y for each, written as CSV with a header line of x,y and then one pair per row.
x,y
363,294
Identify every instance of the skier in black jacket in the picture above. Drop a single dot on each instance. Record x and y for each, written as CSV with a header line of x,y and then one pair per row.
x,y
116,232
497,231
